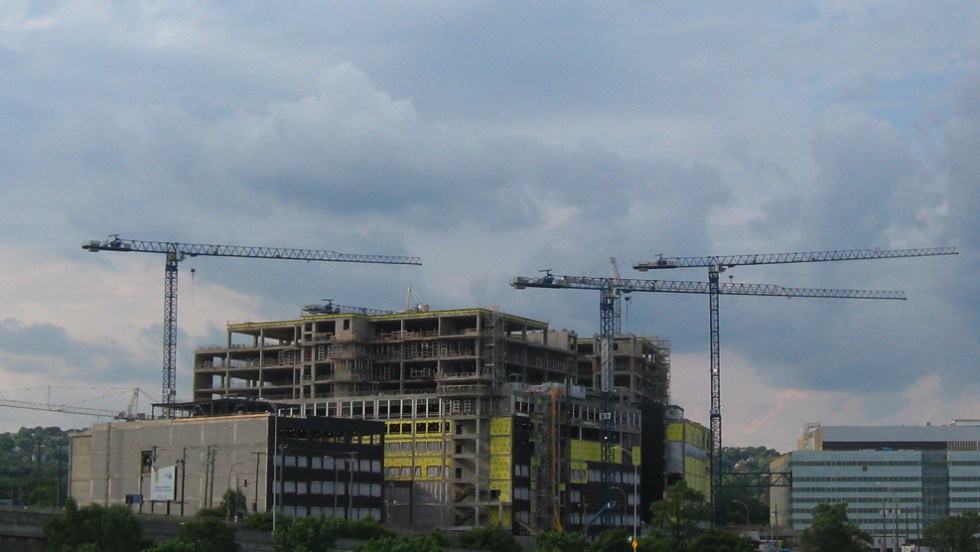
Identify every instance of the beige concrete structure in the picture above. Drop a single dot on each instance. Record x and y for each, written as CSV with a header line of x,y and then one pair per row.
x,y
179,466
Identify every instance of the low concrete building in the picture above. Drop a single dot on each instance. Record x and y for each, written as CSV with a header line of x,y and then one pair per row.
x,y
301,466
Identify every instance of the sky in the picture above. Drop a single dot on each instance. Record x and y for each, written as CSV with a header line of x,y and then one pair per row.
x,y
496,139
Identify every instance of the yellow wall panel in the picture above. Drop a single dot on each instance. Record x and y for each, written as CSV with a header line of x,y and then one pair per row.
x,y
500,445
500,426
585,450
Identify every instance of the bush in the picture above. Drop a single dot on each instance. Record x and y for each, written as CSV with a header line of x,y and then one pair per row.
x,y
96,528
716,540
208,533
489,537
432,542
552,541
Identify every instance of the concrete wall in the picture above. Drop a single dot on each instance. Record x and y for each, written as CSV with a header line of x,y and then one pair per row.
x,y
210,455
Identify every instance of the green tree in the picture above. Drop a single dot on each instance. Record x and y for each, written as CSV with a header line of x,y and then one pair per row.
x,y
174,545
309,534
94,527
957,533
233,504
679,513
716,540
318,534
431,542
560,541
659,543
31,463
612,540
831,531
489,537
735,501
259,521
208,534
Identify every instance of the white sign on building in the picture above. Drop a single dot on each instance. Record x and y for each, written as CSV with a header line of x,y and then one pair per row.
x,y
163,483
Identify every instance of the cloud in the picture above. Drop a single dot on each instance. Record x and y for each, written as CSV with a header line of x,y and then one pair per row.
x,y
496,140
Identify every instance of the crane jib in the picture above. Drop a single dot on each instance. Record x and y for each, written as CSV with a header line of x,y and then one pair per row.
x,y
251,252
797,257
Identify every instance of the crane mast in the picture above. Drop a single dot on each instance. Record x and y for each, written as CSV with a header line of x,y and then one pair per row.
x,y
176,252
716,264
610,288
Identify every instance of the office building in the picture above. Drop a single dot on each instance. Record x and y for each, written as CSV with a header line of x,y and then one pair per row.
x,y
896,480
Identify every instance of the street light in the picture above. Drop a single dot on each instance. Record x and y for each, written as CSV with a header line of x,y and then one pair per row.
x,y
228,505
737,501
636,493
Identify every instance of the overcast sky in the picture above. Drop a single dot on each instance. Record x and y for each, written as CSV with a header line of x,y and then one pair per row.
x,y
495,139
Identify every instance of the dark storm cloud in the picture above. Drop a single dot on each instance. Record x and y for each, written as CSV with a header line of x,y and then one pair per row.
x,y
49,349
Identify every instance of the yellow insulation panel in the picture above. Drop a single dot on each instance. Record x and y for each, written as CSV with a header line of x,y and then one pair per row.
x,y
500,445
675,432
590,451
500,426
499,516
503,487
500,467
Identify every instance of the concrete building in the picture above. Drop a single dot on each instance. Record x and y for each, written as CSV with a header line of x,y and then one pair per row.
x,y
179,466
489,417
896,480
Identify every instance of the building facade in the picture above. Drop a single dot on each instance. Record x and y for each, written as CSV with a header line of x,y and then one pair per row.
x,y
896,480
688,446
180,466
489,417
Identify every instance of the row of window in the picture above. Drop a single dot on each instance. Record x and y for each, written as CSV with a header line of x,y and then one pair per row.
x,y
331,463
841,479
406,471
313,511
408,447
419,428
849,490
329,488
824,497
863,463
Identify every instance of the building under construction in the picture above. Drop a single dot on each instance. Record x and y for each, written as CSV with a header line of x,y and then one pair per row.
x,y
489,417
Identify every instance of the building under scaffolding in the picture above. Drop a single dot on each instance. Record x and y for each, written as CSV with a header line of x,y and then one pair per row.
x,y
489,417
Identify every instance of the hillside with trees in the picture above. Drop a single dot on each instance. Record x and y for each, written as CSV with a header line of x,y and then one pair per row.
x,y
32,462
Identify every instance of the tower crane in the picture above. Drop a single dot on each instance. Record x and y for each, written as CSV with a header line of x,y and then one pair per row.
x,y
608,287
716,264
130,413
177,252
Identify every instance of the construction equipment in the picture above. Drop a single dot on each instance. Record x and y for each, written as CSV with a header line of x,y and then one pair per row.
x,y
129,414
177,252
329,307
611,287
716,264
